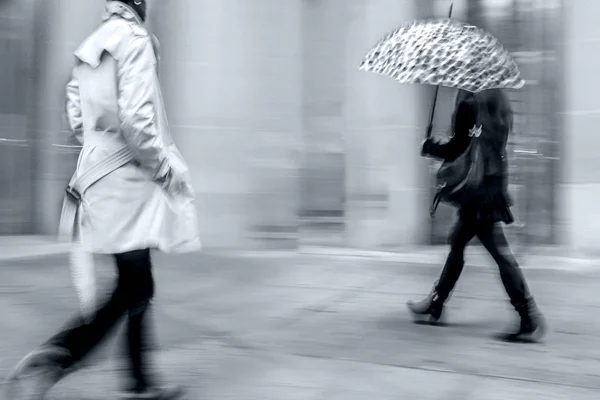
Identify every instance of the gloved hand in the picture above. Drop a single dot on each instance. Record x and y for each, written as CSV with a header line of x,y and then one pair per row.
x,y
178,188
424,146
181,185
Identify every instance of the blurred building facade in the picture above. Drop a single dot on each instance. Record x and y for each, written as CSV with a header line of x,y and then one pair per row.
x,y
288,142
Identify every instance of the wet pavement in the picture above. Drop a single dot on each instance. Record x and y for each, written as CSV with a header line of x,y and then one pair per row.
x,y
317,327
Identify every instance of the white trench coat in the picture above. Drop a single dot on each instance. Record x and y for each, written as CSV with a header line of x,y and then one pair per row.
x,y
114,101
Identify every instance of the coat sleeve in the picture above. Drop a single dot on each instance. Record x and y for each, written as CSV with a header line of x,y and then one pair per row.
x,y
465,119
137,96
73,108
156,48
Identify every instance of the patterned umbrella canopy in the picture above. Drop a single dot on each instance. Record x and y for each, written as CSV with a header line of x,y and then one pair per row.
x,y
444,52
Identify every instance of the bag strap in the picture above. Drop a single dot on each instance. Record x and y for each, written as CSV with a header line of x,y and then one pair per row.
x,y
474,132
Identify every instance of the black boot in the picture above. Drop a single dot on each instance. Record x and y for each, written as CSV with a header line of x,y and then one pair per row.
x,y
153,393
428,310
532,327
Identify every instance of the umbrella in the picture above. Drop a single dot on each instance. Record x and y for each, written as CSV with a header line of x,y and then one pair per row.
x,y
444,52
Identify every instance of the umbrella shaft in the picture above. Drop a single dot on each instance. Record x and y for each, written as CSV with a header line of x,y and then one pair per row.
x,y
430,126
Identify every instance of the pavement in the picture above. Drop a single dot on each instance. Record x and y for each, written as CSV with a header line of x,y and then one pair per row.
x,y
22,247
322,326
548,257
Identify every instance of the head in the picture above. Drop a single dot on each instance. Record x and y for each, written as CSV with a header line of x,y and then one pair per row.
x,y
461,96
494,109
139,6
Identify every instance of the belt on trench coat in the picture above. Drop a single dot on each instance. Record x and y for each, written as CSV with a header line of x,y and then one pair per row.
x,y
78,185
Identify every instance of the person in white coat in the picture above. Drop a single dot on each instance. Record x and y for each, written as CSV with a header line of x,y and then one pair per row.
x,y
131,193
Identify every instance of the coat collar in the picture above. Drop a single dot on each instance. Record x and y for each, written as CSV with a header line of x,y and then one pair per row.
x,y
91,50
120,9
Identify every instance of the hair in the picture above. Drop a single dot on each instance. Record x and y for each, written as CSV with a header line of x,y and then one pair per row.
x,y
494,111
128,2
139,9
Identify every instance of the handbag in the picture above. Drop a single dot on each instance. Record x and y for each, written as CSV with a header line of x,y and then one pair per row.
x,y
460,180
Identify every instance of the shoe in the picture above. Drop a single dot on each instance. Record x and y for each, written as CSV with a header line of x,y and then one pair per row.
x,y
428,310
532,329
37,373
153,393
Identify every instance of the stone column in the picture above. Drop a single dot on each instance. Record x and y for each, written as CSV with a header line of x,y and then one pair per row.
x,y
581,177
16,151
60,27
385,122
231,75
323,90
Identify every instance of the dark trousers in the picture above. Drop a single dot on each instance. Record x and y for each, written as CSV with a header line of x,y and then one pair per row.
x,y
132,295
492,237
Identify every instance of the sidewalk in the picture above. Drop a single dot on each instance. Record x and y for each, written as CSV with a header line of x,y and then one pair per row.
x,y
550,257
22,247
314,327
545,258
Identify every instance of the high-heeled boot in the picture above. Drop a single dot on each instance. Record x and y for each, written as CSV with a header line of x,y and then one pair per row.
x,y
430,309
532,327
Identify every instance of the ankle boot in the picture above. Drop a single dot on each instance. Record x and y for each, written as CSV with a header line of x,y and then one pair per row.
x,y
153,393
429,309
532,327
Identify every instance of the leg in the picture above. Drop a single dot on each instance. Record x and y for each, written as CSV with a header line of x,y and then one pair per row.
x,y
459,239
64,351
79,338
432,305
135,270
493,239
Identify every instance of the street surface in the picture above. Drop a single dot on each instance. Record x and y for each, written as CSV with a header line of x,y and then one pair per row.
x,y
317,327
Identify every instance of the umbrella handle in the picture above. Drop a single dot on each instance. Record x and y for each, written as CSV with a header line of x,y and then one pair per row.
x,y
435,96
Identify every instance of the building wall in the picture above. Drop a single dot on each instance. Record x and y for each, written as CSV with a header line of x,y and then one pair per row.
x,y
322,194
234,104
580,187
254,110
277,122
56,34
16,145
384,124
231,73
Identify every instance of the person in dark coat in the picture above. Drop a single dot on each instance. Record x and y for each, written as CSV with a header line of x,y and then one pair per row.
x,y
483,214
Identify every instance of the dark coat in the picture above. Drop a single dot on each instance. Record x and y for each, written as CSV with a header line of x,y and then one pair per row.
x,y
492,204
